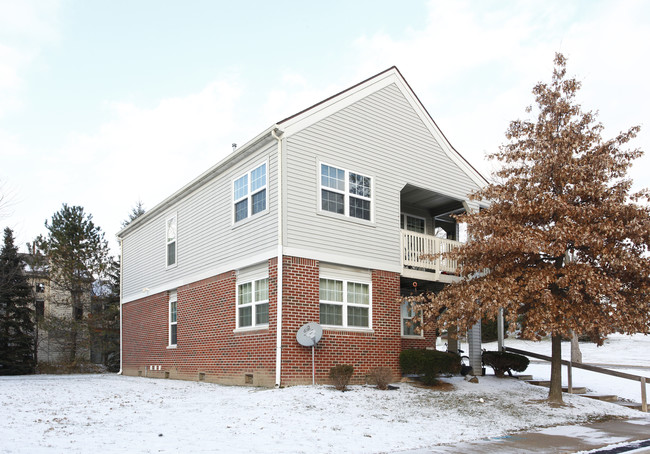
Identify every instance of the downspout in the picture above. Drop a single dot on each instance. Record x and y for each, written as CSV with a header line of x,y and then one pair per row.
x,y
278,337
121,298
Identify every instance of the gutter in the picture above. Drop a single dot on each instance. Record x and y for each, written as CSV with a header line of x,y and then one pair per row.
x,y
278,336
121,300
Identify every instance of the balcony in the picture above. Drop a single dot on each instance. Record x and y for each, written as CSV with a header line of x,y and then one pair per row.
x,y
417,263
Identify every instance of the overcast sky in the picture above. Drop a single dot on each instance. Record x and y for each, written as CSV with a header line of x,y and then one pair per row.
x,y
103,104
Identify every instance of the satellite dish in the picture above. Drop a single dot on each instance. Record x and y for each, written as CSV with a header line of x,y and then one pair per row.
x,y
308,335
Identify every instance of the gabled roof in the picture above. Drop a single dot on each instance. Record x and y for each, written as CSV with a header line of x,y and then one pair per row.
x,y
311,115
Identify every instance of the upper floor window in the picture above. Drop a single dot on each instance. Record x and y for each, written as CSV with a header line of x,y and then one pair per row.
x,y
40,287
250,193
170,234
412,223
173,320
253,303
344,192
344,303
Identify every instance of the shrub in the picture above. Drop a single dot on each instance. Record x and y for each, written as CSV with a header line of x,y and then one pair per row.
x,y
340,375
503,362
429,363
382,376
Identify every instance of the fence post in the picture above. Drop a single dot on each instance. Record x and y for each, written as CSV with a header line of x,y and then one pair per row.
x,y
569,371
644,401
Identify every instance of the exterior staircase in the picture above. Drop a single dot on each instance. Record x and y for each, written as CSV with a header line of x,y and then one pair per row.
x,y
582,391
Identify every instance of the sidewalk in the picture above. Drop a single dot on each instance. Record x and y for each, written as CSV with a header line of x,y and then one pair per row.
x,y
566,439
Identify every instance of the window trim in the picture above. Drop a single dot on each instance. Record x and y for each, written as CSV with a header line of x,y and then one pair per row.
x,y
173,216
404,218
344,313
249,194
253,280
346,194
403,316
173,298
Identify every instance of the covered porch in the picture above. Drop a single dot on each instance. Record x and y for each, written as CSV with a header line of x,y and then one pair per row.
x,y
428,228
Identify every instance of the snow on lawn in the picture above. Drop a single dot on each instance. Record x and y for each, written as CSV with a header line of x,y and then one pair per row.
x,y
109,413
616,353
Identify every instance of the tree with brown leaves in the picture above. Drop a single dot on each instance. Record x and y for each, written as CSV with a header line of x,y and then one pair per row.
x,y
563,242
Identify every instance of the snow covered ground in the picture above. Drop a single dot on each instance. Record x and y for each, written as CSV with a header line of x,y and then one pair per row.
x,y
630,354
80,413
109,413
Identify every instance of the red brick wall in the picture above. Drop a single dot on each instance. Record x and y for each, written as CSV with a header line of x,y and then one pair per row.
x,y
207,344
363,350
205,341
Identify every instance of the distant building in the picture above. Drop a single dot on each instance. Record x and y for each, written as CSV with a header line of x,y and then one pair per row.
x,y
56,316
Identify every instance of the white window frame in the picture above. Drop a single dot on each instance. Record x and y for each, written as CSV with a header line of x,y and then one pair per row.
x,y
406,315
173,300
346,193
249,194
404,221
254,281
345,304
174,218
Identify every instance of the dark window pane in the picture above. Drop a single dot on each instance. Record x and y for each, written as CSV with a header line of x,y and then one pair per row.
x,y
358,316
241,210
359,185
262,314
245,316
259,201
40,309
359,208
172,340
331,314
171,253
332,201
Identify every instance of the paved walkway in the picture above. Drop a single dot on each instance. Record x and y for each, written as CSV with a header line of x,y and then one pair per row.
x,y
618,436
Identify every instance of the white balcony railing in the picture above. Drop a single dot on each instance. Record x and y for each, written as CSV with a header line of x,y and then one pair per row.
x,y
418,250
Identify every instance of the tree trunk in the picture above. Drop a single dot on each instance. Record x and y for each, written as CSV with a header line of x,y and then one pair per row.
x,y
576,354
555,391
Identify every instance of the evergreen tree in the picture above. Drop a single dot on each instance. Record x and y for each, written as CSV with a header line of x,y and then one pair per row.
x,y
77,254
137,211
563,243
16,315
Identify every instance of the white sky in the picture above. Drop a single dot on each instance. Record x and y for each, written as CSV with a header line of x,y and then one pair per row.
x,y
106,103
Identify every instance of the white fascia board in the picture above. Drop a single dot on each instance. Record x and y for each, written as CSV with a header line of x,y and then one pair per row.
x,y
230,266
199,181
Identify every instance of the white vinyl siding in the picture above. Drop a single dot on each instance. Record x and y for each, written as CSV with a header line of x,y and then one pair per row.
x,y
379,136
211,246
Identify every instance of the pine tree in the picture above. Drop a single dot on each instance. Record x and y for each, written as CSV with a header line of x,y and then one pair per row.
x,y
137,211
563,244
77,254
16,316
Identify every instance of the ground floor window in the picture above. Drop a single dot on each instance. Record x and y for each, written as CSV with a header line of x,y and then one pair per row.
x,y
345,303
173,323
410,327
253,303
